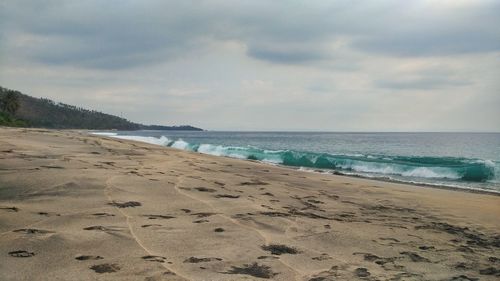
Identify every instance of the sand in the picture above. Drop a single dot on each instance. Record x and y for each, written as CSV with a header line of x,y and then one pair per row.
x,y
79,207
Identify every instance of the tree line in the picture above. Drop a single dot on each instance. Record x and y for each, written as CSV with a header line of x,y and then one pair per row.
x,y
17,109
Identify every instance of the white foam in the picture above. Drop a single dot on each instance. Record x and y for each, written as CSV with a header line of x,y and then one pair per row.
x,y
423,172
420,172
104,134
151,140
272,160
180,144
215,150
371,169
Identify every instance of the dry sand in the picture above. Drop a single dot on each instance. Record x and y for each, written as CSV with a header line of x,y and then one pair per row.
x,y
80,207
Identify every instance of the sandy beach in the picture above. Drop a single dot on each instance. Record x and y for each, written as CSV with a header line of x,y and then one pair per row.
x,y
74,206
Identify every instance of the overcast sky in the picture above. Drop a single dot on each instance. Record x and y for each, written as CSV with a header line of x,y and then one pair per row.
x,y
262,65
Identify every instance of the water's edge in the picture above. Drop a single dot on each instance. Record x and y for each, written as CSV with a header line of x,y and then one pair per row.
x,y
471,171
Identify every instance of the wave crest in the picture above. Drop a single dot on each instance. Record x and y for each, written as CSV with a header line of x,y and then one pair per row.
x,y
446,168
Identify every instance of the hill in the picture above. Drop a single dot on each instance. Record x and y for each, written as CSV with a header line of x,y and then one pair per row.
x,y
45,113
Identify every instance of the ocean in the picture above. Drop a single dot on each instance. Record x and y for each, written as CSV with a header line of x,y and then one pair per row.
x,y
454,160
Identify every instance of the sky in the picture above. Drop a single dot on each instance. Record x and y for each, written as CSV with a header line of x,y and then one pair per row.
x,y
354,65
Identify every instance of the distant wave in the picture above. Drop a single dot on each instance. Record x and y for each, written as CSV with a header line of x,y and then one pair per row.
x,y
410,167
104,134
152,140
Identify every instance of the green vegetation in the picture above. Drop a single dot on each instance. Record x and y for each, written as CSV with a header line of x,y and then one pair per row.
x,y
20,110
9,104
7,120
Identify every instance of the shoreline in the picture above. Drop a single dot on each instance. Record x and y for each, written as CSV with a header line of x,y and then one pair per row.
x,y
79,206
328,171
424,185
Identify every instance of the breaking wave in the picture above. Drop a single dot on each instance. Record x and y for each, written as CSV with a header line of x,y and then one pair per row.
x,y
408,167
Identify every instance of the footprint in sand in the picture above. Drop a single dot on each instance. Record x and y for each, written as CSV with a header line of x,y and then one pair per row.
x,y
198,260
105,268
21,254
326,275
85,258
226,196
374,258
204,189
254,269
322,257
102,228
254,182
275,214
279,249
154,258
490,271
10,209
415,257
200,221
31,231
52,167
494,259
267,257
154,217
389,239
463,278
103,215
149,225
362,272
203,214
128,204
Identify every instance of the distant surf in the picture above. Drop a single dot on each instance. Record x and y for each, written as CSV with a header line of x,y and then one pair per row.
x,y
457,172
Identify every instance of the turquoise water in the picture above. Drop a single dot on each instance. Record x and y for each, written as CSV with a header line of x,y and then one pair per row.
x,y
461,160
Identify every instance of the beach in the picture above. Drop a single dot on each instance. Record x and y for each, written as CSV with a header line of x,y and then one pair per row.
x,y
75,206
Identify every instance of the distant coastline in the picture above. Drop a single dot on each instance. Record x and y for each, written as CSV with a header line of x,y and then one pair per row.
x,y
28,111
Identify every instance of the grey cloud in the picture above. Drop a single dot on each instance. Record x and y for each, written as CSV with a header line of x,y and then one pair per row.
x,y
425,31
420,83
107,35
287,54
430,43
428,78
118,34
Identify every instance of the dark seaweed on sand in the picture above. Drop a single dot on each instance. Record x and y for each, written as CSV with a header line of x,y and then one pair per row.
x,y
254,182
204,189
84,258
279,249
12,209
129,204
254,269
21,254
198,260
227,196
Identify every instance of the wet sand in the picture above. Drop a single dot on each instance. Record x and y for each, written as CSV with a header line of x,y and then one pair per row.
x,y
79,207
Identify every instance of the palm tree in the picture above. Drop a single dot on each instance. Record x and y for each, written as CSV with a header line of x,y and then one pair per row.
x,y
10,102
